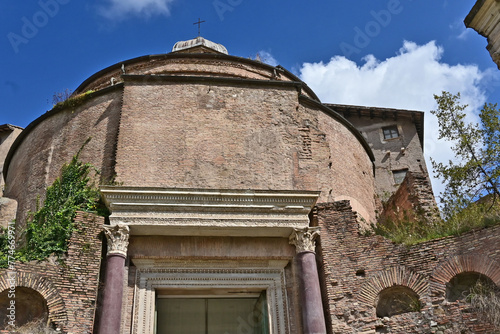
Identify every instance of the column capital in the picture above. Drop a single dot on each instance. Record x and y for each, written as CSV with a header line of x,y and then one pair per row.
x,y
117,236
304,239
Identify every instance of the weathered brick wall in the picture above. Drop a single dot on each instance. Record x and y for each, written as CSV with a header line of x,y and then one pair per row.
x,y
345,172
129,290
414,199
54,140
69,287
166,131
8,209
356,268
208,65
236,136
389,155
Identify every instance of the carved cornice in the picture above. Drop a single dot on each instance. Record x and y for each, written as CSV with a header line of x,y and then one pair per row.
x,y
210,211
117,236
304,239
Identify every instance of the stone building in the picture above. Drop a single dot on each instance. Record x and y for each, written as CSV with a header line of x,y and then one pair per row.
x,y
484,18
8,207
239,205
8,133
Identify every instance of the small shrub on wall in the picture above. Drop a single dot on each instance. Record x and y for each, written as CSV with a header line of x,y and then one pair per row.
x,y
51,225
485,300
420,229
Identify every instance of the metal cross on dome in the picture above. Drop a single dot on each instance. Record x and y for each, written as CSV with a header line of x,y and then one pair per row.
x,y
199,24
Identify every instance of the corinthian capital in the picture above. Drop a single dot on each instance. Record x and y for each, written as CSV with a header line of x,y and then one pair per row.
x,y
117,236
304,239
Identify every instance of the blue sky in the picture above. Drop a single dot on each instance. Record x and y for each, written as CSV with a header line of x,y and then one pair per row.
x,y
388,53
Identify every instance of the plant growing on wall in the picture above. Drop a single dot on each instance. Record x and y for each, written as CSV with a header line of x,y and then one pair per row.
x,y
485,300
72,102
4,248
420,228
51,225
61,96
472,180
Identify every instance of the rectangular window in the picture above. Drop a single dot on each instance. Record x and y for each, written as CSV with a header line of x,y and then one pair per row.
x,y
212,315
390,132
399,175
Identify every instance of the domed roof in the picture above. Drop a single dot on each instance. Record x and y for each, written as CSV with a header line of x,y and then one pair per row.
x,y
199,41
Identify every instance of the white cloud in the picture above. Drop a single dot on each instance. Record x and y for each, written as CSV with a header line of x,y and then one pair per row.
x,y
267,57
460,30
119,9
406,81
464,34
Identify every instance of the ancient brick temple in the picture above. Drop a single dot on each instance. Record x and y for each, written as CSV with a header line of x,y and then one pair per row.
x,y
240,204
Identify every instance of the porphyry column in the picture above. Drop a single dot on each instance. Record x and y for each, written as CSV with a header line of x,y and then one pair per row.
x,y
117,236
313,317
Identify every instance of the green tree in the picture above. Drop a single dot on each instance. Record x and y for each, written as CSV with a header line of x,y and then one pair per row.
x,y
475,171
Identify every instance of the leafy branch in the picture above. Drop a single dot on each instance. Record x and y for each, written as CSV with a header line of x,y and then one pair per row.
x,y
471,196
476,171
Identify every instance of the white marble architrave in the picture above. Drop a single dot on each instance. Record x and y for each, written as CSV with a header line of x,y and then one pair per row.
x,y
304,239
153,275
209,212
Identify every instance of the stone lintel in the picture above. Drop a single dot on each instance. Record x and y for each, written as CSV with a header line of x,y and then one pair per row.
x,y
144,263
209,212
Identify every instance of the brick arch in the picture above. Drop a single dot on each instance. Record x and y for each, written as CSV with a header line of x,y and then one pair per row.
x,y
55,304
392,277
461,264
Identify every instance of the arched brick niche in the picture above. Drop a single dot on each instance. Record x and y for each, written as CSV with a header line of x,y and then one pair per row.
x,y
459,270
460,285
394,291
395,300
40,291
30,306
